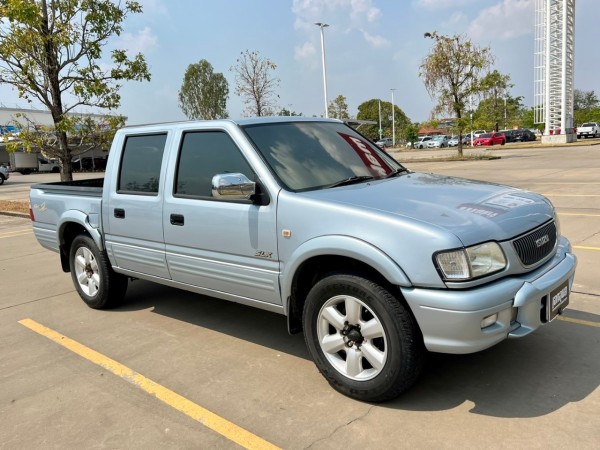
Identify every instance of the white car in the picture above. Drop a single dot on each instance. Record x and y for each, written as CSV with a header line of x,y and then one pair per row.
x,y
453,141
478,133
422,142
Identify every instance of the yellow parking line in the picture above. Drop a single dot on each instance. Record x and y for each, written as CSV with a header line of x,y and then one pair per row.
x,y
222,426
580,322
581,247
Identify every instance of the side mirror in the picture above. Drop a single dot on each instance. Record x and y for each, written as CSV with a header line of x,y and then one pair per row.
x,y
232,186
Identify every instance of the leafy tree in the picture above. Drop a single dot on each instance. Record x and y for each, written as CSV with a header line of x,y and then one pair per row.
x,y
586,107
203,93
51,52
369,110
255,83
490,113
288,112
338,108
585,100
452,72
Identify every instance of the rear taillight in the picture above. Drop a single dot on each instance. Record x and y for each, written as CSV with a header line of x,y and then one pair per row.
x,y
31,214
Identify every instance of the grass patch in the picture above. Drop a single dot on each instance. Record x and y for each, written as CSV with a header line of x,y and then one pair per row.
x,y
14,206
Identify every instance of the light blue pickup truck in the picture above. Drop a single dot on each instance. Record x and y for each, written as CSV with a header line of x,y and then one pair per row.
x,y
376,264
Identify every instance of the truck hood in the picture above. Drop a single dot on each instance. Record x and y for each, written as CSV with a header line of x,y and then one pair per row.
x,y
474,211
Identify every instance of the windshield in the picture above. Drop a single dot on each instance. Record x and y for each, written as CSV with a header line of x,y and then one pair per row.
x,y
485,135
315,155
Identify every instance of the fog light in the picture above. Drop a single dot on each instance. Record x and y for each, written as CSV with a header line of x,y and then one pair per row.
x,y
489,321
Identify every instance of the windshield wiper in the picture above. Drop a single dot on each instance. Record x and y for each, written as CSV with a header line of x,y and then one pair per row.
x,y
351,180
397,172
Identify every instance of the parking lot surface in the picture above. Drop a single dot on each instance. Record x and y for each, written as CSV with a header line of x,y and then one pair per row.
x,y
170,369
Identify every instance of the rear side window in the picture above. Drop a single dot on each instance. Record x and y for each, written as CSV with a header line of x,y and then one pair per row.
x,y
140,164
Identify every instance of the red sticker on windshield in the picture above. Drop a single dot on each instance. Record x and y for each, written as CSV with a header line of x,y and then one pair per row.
x,y
368,156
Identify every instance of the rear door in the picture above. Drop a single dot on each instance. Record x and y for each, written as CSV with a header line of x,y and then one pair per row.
x,y
227,248
132,214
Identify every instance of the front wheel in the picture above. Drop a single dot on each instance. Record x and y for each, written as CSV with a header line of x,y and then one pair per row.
x,y
1,179
97,284
363,340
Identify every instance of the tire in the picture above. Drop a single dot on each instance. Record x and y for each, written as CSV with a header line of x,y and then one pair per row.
x,y
97,284
1,179
373,366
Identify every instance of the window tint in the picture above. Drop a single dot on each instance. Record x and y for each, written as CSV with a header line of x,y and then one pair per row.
x,y
314,155
140,164
203,155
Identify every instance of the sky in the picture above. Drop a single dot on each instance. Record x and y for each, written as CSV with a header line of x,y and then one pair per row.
x,y
371,47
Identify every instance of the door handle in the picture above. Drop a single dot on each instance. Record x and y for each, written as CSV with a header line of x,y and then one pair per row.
x,y
177,219
119,213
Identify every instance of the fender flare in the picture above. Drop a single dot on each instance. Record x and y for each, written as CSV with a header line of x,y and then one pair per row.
x,y
88,221
341,245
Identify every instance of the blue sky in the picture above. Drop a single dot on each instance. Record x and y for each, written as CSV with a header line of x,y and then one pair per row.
x,y
371,46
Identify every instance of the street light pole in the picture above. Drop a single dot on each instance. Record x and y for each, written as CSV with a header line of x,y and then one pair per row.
x,y
321,26
380,130
393,120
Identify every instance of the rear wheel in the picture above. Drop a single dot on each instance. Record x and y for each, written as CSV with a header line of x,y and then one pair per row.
x,y
363,340
1,179
97,284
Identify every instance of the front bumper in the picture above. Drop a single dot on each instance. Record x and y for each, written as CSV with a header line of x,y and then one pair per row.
x,y
450,320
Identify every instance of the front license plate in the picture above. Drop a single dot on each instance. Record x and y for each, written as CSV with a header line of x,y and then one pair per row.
x,y
559,299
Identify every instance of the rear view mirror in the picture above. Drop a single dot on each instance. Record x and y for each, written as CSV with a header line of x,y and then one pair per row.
x,y
232,186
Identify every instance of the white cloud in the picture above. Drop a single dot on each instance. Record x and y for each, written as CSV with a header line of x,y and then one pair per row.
x,y
505,20
457,18
141,42
307,50
375,41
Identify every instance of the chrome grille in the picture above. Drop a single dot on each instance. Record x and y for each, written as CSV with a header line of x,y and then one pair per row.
x,y
536,245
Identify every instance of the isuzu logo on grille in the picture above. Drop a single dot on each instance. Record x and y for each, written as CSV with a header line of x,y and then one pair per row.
x,y
541,241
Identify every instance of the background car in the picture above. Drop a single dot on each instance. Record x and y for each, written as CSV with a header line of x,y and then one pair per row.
x,y
490,139
453,141
509,135
478,133
385,142
4,175
523,135
438,141
422,142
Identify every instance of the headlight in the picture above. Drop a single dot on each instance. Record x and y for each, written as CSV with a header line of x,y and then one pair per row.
x,y
472,262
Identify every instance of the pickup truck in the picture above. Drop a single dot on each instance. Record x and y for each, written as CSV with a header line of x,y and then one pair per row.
x,y
375,263
588,129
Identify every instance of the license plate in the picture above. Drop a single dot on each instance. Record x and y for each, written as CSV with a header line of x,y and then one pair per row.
x,y
559,299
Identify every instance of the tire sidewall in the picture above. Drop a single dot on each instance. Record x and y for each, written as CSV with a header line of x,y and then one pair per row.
x,y
100,299
391,316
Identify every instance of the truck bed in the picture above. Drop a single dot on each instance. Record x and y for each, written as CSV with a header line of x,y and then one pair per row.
x,y
91,187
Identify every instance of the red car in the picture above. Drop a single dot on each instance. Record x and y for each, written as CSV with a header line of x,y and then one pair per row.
x,y
490,139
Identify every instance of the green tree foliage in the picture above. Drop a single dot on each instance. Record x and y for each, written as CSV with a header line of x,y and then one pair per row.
x,y
369,110
255,83
490,113
50,51
203,93
452,72
586,107
288,112
338,108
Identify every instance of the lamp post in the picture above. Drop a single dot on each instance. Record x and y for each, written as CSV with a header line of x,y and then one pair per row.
x,y
380,129
321,26
393,120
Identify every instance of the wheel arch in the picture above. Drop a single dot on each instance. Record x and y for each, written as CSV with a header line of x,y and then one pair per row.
x,y
71,225
321,256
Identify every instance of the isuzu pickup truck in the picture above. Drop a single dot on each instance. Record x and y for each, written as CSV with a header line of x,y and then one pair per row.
x,y
375,263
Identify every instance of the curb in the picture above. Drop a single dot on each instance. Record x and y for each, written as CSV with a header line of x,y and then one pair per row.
x,y
14,214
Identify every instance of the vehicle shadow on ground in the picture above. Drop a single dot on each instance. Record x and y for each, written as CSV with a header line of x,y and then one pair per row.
x,y
530,377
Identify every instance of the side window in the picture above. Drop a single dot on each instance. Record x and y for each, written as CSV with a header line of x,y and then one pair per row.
x,y
204,154
140,164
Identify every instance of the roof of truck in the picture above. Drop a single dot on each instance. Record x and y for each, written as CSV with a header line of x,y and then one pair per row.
x,y
242,121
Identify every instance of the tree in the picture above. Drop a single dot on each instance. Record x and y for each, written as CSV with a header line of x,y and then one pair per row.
x,y
451,73
203,93
255,83
586,107
369,110
288,112
338,108
50,51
